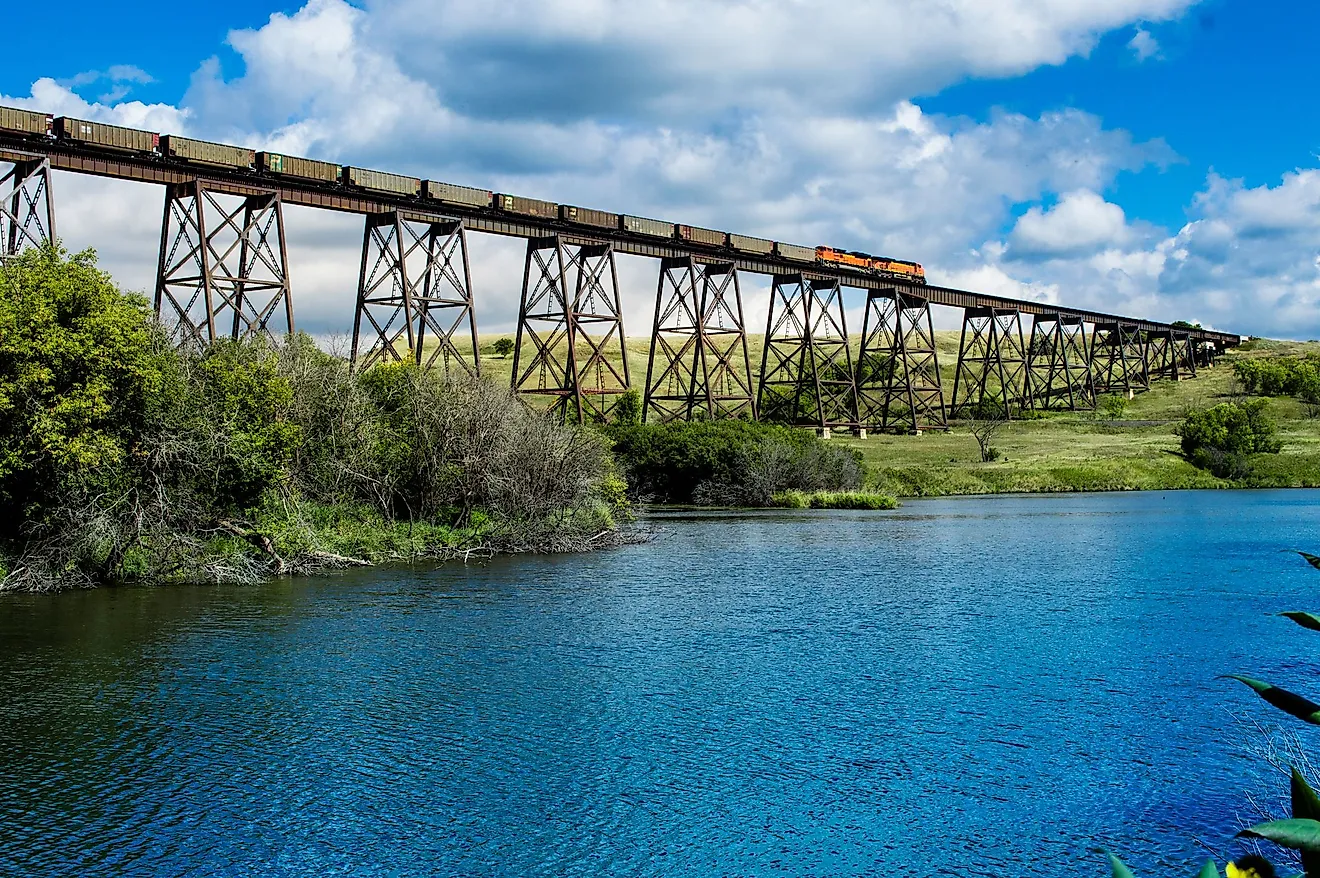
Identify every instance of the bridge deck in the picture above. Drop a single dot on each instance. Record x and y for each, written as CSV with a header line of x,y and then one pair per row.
x,y
154,169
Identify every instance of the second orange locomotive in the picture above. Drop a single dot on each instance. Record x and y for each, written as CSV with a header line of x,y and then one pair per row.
x,y
878,264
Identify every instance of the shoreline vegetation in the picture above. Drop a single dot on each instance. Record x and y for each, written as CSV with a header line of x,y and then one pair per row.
x,y
127,459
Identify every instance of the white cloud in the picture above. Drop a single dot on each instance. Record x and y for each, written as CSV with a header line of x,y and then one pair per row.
x,y
1143,45
1082,222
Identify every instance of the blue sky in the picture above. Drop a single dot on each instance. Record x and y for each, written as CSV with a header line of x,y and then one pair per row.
x,y
1152,156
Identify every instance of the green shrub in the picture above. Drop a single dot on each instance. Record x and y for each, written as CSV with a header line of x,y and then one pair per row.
x,y
1112,406
1222,438
122,458
1280,376
729,462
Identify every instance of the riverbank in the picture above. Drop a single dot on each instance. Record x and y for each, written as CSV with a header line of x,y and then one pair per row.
x,y
1078,451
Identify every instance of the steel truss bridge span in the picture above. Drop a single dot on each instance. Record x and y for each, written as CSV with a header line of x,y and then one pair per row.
x,y
223,272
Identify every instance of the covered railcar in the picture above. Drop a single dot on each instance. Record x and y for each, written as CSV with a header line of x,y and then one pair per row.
x,y
585,216
26,121
640,225
381,181
293,166
698,235
795,251
748,244
106,136
526,206
449,193
203,152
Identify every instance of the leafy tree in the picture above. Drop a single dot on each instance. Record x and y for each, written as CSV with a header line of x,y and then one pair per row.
x,y
503,347
83,375
627,410
1221,438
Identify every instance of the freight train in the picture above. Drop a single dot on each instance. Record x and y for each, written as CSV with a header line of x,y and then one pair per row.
x,y
131,141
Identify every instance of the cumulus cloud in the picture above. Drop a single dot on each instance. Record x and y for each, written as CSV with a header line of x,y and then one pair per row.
x,y
1081,222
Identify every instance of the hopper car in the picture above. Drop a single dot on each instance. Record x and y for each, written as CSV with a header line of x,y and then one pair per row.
x,y
28,124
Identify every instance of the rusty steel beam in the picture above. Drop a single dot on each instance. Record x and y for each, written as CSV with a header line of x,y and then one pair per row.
x,y
1059,364
570,323
807,376
991,379
224,268
27,204
698,365
151,168
898,368
418,283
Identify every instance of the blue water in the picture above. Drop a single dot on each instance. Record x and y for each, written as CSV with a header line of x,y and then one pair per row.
x,y
962,687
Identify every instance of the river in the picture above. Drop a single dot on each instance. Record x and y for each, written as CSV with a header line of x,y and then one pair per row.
x,y
962,687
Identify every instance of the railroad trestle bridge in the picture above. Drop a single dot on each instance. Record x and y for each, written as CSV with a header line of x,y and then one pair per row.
x,y
223,272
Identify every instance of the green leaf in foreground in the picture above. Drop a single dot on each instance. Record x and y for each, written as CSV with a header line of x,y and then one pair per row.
x,y
1288,702
1306,620
1209,870
1298,834
1313,560
1306,806
1120,871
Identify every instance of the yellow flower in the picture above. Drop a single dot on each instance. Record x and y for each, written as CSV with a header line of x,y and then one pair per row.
x,y
1252,866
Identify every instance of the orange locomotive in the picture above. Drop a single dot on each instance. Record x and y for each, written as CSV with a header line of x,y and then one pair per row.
x,y
878,264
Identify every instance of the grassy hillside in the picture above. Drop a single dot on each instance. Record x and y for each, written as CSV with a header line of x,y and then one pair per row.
x,y
1063,451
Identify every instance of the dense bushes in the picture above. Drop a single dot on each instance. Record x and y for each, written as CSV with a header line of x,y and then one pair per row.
x,y
729,463
1221,438
1280,376
122,458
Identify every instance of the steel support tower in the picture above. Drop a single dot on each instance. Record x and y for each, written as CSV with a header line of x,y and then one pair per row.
x,y
1059,364
27,212
1118,359
224,266
807,374
898,370
991,379
414,300
698,366
571,346
1169,355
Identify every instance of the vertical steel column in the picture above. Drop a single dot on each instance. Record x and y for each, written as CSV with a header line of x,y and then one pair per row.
x,y
415,281
898,372
698,364
1118,356
573,290
221,277
27,212
807,374
991,378
1184,354
1059,364
1159,354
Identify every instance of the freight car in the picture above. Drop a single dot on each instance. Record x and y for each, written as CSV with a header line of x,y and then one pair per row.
x,y
642,226
380,181
746,244
795,251
698,235
526,206
202,152
106,136
452,194
585,216
26,121
293,166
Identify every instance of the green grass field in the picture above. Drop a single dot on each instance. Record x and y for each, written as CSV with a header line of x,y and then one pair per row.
x,y
1064,451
